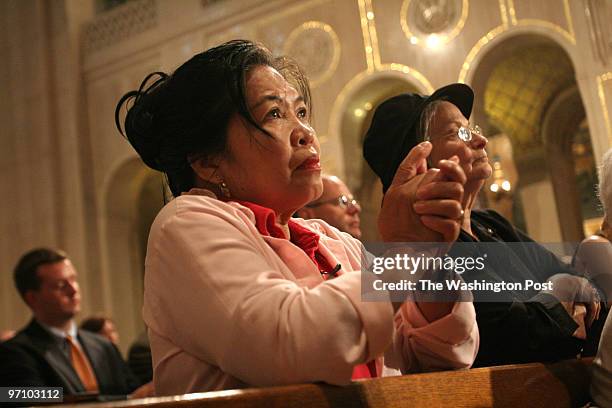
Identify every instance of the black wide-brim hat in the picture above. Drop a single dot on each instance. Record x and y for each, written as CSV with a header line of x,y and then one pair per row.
x,y
395,127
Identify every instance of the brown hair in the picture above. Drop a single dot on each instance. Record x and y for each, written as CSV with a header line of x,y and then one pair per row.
x,y
25,274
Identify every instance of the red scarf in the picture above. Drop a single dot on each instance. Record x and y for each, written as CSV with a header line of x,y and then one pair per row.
x,y
303,238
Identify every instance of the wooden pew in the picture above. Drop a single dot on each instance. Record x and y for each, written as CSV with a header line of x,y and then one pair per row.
x,y
564,384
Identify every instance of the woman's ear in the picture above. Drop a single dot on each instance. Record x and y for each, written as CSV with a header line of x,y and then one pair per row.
x,y
206,169
208,176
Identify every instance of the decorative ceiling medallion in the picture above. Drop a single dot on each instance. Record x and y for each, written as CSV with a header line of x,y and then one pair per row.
x,y
433,22
316,48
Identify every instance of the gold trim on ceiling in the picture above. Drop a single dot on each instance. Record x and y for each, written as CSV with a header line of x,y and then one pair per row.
x,y
370,46
488,37
411,72
372,50
504,13
373,63
357,81
512,12
569,34
373,33
570,20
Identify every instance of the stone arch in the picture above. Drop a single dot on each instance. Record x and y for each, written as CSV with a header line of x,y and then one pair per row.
x,y
543,160
351,117
501,35
129,204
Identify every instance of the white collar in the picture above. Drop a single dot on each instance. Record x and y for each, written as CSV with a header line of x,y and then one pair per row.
x,y
72,330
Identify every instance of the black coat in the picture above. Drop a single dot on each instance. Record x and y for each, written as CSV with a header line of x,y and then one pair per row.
x,y
520,331
34,357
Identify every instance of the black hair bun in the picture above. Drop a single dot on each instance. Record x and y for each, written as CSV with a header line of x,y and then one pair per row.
x,y
140,127
142,135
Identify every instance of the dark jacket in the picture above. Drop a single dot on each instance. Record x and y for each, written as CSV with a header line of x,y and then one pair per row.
x,y
519,329
139,359
35,357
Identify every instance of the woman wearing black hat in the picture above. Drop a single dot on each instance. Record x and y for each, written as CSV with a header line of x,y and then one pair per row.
x,y
515,325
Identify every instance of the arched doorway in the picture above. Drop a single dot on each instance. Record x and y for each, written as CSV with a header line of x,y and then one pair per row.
x,y
134,195
356,117
526,94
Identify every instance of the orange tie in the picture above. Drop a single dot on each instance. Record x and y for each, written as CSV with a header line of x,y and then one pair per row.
x,y
81,366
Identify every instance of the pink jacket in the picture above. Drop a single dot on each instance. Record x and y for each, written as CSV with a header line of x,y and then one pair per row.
x,y
228,308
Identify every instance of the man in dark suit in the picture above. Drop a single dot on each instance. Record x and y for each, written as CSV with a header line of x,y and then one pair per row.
x,y
50,350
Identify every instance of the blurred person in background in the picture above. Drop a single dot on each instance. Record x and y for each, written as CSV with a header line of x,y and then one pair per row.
x,y
139,358
102,325
336,206
50,351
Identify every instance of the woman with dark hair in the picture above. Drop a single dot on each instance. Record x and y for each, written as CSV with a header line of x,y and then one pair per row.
x,y
516,326
236,292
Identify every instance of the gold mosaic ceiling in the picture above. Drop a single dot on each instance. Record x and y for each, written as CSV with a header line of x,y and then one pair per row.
x,y
520,88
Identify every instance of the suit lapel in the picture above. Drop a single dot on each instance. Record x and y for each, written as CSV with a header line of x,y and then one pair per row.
x,y
49,347
58,360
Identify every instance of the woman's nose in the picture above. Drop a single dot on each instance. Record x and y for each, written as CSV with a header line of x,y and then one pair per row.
x,y
302,135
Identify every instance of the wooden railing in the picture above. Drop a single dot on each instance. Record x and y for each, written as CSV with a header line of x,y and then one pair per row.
x,y
564,384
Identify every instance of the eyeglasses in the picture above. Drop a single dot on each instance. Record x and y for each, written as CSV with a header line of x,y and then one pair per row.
x,y
342,201
465,133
